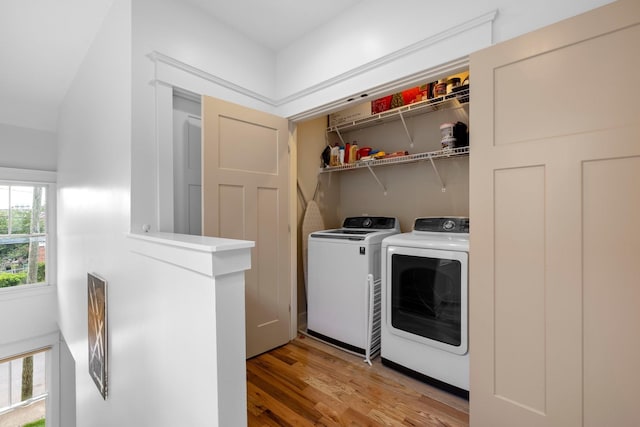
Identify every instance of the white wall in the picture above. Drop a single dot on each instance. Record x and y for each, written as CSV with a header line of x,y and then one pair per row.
x,y
188,35
162,369
374,28
27,148
35,309
94,168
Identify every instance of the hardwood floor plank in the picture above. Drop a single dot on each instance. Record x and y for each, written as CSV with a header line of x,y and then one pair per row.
x,y
355,418
282,392
395,377
275,412
307,382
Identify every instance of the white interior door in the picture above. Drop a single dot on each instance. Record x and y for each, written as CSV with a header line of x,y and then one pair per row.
x,y
554,206
246,196
187,167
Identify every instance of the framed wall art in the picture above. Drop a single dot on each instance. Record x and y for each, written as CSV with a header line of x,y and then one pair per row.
x,y
97,317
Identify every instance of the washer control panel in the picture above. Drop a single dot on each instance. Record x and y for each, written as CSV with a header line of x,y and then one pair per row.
x,y
376,222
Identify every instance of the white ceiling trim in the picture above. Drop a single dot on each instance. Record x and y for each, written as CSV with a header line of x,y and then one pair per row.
x,y
160,58
392,57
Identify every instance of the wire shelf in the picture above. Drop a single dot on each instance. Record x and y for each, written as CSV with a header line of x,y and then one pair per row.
x,y
410,158
451,100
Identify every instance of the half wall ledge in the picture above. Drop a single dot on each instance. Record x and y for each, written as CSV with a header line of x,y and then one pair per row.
x,y
211,256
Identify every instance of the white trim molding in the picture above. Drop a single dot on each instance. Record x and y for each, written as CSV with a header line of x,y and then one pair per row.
x,y
27,175
175,73
392,57
161,58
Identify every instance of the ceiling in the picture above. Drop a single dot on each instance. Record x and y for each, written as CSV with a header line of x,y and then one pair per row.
x,y
43,42
276,23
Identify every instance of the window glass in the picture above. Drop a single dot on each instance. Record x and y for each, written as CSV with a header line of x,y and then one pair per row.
x,y
23,234
23,390
4,209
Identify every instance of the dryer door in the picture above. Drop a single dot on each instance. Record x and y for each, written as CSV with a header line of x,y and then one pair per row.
x,y
427,297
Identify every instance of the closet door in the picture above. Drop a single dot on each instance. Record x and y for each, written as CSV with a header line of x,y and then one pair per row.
x,y
246,196
555,242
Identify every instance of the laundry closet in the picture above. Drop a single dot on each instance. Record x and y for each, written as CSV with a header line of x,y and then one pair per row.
x,y
394,159
409,170
423,183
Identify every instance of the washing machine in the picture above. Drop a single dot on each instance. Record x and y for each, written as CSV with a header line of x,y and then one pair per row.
x,y
425,302
344,289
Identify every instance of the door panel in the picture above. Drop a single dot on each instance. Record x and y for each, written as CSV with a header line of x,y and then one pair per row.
x,y
611,290
267,243
548,80
553,285
232,216
245,196
248,147
520,276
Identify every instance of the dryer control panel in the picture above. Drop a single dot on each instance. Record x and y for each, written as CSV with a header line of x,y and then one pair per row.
x,y
452,224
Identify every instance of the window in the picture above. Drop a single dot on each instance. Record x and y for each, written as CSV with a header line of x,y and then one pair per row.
x,y
23,234
23,389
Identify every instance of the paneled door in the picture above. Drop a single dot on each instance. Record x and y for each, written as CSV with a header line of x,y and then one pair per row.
x,y
187,166
555,243
245,196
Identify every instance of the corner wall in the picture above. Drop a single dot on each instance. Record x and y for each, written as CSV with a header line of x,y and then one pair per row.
x,y
156,311
94,167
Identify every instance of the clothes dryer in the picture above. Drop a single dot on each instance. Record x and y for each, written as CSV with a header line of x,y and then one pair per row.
x,y
425,302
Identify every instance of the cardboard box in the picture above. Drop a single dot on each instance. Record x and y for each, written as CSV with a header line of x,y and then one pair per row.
x,y
357,112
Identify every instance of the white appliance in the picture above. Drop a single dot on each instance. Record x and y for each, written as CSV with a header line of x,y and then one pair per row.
x,y
344,289
425,304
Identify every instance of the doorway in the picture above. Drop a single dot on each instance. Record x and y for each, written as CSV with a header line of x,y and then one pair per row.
x,y
187,165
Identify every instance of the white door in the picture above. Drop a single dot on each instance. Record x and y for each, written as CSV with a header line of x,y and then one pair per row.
x,y
555,242
187,160
246,196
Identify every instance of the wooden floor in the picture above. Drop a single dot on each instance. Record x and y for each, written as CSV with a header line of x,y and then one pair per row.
x,y
308,383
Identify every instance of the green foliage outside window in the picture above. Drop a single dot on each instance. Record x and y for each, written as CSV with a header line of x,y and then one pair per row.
x,y
23,238
13,279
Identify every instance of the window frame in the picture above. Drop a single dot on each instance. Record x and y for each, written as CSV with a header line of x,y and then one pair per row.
x,y
51,344
28,177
